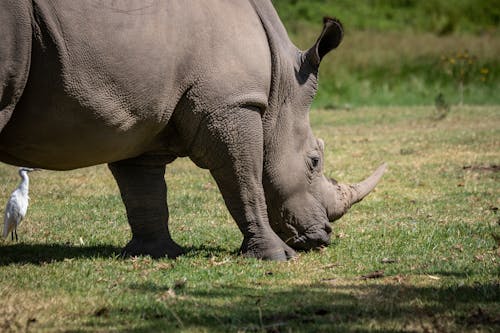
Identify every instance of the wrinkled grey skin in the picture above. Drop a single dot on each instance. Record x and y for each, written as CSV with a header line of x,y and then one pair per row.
x,y
136,84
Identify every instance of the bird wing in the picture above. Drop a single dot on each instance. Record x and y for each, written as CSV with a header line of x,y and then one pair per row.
x,y
21,202
14,212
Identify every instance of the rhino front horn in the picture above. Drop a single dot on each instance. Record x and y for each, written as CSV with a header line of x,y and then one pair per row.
x,y
346,195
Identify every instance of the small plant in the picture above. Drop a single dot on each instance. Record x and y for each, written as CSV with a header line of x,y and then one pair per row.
x,y
461,67
484,74
442,108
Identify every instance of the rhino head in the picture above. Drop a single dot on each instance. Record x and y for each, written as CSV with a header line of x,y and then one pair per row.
x,y
301,200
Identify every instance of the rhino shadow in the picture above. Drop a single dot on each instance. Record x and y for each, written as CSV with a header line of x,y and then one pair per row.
x,y
39,254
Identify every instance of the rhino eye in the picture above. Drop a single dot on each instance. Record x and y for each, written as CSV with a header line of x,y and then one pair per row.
x,y
314,162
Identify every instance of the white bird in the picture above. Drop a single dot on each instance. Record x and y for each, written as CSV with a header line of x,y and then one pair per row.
x,y
17,205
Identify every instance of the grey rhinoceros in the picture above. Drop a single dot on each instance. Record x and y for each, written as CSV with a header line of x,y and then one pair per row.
x,y
137,83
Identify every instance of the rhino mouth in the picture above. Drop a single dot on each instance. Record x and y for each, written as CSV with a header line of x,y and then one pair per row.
x,y
312,238
302,224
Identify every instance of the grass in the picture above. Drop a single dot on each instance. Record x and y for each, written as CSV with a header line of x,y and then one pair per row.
x,y
436,16
392,52
429,226
367,69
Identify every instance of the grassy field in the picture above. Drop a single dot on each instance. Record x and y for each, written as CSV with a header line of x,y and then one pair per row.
x,y
420,254
403,52
440,17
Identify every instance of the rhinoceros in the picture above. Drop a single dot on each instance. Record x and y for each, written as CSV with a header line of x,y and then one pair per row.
x,y
136,84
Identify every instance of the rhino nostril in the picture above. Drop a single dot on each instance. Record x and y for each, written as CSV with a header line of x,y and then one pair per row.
x,y
328,228
323,242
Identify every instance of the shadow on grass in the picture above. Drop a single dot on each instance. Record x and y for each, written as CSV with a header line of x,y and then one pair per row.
x,y
314,308
43,253
208,251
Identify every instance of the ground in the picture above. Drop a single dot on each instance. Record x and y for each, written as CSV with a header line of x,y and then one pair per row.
x,y
420,254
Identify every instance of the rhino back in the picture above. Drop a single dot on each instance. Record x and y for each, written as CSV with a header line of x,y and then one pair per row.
x,y
106,77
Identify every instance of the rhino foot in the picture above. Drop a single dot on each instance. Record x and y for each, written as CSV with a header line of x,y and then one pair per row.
x,y
267,249
155,248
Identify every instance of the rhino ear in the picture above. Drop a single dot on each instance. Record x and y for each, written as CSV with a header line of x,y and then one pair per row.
x,y
330,38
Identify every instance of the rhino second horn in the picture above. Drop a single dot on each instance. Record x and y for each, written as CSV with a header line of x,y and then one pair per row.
x,y
346,195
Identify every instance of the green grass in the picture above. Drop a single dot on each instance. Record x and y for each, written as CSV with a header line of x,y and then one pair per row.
x,y
392,52
433,217
394,68
436,16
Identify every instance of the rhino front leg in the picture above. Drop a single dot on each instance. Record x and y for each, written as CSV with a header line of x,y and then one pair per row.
x,y
236,156
245,200
144,193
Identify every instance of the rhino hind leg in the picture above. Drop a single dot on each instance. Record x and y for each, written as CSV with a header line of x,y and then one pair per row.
x,y
144,193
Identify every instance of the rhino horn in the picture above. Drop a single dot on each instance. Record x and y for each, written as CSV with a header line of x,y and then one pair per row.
x,y
346,195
